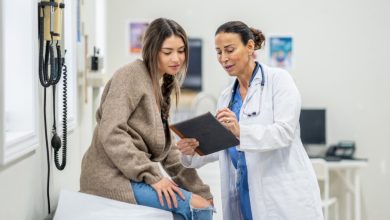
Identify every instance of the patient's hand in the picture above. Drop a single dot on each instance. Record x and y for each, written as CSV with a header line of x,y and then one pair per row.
x,y
168,188
187,146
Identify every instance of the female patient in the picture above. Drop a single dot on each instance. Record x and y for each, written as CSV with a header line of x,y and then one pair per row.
x,y
132,136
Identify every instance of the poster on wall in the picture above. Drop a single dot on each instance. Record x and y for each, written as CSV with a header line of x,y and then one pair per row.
x,y
280,52
136,33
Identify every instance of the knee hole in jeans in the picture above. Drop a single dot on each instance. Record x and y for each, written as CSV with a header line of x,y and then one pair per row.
x,y
198,202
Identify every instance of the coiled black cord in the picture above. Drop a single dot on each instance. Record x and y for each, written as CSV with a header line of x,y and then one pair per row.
x,y
64,122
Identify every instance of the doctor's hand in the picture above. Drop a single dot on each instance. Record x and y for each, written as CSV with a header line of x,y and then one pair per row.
x,y
228,119
187,146
167,188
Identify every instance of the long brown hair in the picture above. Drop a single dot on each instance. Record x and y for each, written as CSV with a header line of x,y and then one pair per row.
x,y
159,30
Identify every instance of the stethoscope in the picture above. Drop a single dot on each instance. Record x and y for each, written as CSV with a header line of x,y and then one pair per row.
x,y
258,66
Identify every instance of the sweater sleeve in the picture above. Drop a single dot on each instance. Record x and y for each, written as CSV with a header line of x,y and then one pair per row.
x,y
186,178
119,103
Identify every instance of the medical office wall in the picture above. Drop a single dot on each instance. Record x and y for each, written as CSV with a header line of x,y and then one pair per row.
x,y
23,168
19,94
340,64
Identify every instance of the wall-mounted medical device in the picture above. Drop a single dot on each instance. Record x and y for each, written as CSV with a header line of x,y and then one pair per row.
x,y
51,67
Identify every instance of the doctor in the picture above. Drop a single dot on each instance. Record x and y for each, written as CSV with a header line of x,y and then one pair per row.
x,y
269,175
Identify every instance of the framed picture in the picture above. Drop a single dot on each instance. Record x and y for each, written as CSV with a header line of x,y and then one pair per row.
x,y
136,32
280,51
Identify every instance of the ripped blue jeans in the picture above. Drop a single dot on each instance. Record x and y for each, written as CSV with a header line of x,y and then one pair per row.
x,y
147,196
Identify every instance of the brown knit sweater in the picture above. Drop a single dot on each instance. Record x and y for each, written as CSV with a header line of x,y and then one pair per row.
x,y
129,141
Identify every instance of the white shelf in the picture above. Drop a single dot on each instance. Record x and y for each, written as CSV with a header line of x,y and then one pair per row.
x,y
97,79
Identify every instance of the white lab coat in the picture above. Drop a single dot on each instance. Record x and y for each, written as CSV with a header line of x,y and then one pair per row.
x,y
282,182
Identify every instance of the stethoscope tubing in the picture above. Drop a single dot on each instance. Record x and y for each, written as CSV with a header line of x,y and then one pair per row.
x,y
258,66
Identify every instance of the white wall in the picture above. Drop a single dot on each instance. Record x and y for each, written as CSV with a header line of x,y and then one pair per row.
x,y
341,51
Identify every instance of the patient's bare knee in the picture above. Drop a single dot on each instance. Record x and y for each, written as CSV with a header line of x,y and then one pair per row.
x,y
198,202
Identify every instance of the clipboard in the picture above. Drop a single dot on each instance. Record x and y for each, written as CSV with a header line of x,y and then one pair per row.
x,y
210,133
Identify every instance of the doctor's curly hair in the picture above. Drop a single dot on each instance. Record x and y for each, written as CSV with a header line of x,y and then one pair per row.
x,y
246,33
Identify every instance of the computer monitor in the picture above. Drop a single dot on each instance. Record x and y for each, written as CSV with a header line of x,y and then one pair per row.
x,y
193,80
313,126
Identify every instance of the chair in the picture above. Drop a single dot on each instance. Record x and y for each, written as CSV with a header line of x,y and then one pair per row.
x,y
322,172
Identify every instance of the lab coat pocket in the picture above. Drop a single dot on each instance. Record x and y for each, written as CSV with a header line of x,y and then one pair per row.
x,y
289,197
